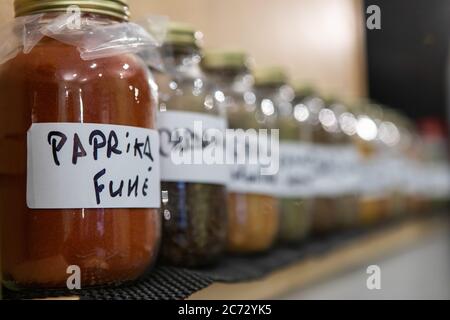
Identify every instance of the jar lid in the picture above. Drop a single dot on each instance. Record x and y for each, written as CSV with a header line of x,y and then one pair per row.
x,y
225,59
303,89
179,33
359,106
114,8
270,76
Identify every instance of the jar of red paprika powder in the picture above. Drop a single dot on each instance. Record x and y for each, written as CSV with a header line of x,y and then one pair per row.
x,y
79,170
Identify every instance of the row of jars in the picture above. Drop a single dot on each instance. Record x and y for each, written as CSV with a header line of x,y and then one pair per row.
x,y
340,165
88,182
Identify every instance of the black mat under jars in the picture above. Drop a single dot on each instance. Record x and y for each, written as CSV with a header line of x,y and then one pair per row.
x,y
179,283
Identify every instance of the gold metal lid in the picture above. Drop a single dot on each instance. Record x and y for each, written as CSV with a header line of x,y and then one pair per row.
x,y
303,89
225,59
270,76
358,106
179,33
114,8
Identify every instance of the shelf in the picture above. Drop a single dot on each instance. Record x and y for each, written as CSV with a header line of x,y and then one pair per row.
x,y
302,274
295,268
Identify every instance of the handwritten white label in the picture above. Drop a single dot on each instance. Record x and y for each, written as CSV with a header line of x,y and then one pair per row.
x,y
86,165
297,170
177,127
336,170
435,180
379,174
247,176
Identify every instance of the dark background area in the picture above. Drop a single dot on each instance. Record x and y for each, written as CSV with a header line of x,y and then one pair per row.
x,y
407,58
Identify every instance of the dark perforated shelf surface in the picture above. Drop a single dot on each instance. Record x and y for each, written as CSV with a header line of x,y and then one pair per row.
x,y
178,283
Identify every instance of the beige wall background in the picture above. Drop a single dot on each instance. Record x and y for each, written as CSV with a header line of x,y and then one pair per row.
x,y
319,42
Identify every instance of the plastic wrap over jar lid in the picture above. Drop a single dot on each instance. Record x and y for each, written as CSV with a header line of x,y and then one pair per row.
x,y
94,38
115,8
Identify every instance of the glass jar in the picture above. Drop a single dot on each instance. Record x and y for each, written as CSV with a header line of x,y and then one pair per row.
x,y
334,204
348,162
252,210
435,164
391,163
374,202
413,159
295,134
324,207
194,195
66,125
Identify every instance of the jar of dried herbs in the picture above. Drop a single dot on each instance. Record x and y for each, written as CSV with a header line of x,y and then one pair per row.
x,y
193,192
252,207
296,176
293,179
391,163
335,157
347,161
374,203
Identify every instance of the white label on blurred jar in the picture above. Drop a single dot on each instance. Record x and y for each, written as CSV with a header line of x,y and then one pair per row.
x,y
435,180
378,176
87,165
179,129
336,171
246,176
296,175
431,179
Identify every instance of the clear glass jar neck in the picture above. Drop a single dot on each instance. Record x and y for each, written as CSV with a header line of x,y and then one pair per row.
x,y
181,59
234,79
281,96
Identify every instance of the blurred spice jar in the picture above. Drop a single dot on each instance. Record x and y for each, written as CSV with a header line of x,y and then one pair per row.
x,y
324,206
335,157
390,169
348,162
252,207
414,160
374,200
193,194
293,178
71,195
435,164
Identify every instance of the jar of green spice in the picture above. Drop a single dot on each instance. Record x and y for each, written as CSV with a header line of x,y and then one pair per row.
x,y
336,170
193,193
292,180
